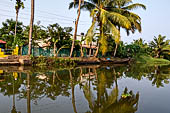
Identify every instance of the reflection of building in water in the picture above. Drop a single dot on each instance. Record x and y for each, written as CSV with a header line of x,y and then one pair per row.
x,y
42,77
87,76
15,75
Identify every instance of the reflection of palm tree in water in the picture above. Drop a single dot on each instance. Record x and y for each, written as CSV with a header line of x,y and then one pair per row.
x,y
73,96
13,107
158,77
28,94
109,103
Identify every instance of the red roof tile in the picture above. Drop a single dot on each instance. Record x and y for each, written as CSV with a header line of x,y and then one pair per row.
x,y
2,42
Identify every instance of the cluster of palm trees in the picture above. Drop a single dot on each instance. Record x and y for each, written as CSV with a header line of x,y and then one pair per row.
x,y
108,16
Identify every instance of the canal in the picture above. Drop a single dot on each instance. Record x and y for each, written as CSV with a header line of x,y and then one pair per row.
x,y
85,89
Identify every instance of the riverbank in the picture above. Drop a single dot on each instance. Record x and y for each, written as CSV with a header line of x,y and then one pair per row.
x,y
75,61
150,61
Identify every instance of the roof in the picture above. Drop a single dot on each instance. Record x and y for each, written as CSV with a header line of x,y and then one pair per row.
x,y
88,46
2,42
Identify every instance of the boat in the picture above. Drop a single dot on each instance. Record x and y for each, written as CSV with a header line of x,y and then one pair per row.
x,y
115,61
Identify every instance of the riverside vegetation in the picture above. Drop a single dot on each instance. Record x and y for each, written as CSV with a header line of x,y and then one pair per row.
x,y
109,17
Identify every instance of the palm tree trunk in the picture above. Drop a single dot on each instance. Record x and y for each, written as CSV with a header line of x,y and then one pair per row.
x,y
115,50
31,27
75,32
97,50
90,50
116,44
16,25
28,95
54,49
73,96
54,77
21,50
158,54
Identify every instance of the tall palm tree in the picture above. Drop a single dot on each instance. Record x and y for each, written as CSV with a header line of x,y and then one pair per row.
x,y
125,7
110,16
76,26
160,46
104,19
31,27
19,4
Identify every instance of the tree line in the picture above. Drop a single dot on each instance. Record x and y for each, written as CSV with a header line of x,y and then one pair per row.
x,y
108,18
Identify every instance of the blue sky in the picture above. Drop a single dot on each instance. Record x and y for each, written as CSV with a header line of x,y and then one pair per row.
x,y
155,20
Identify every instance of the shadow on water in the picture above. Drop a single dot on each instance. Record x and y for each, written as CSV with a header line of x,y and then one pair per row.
x,y
97,86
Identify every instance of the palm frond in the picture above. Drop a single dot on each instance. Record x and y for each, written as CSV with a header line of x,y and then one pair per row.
x,y
87,6
90,33
74,4
114,30
135,6
103,42
117,18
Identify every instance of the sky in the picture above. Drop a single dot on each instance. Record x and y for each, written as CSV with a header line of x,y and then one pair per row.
x,y
155,19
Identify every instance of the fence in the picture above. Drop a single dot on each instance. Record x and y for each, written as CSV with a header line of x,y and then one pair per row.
x,y
48,52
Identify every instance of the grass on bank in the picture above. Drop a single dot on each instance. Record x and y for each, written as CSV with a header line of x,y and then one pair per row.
x,y
148,60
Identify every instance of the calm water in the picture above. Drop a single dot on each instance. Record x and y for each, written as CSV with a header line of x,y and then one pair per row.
x,y
88,89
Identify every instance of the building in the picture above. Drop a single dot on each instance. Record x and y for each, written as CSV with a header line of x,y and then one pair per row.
x,y
2,44
90,48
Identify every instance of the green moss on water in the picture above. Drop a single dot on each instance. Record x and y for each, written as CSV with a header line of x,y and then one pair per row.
x,y
148,60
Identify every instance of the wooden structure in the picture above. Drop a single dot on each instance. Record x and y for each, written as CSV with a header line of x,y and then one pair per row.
x,y
2,44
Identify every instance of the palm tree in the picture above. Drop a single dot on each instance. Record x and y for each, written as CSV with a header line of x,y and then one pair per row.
x,y
19,4
125,7
159,46
31,27
76,27
110,17
104,19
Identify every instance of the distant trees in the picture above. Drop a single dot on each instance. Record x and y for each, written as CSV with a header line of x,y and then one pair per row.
x,y
58,34
160,46
7,33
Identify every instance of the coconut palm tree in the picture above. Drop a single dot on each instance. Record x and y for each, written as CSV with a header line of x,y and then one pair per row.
x,y
104,19
111,15
19,4
31,26
76,26
125,7
160,46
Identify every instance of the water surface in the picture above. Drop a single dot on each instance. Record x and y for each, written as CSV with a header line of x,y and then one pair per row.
x,y
85,89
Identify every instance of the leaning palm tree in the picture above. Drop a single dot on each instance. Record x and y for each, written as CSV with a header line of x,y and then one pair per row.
x,y
110,103
104,19
19,4
159,46
31,27
110,16
76,26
